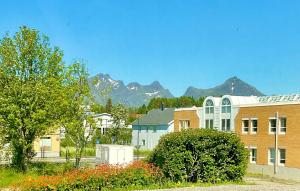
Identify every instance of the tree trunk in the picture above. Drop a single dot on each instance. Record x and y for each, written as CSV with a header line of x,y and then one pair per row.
x,y
19,160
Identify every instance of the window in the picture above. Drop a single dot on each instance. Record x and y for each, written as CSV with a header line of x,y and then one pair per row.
x,y
272,125
271,156
209,123
209,107
154,130
184,124
281,156
46,143
225,124
143,142
253,155
283,125
245,125
226,106
254,124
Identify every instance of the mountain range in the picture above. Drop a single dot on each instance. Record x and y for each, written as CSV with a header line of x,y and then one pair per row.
x,y
135,94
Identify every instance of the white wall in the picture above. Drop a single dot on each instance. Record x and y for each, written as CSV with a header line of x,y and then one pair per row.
x,y
114,154
150,137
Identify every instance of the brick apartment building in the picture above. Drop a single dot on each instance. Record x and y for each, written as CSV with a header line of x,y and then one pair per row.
x,y
269,127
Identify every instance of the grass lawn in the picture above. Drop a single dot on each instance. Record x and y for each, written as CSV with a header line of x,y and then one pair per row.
x,y
142,153
87,152
9,176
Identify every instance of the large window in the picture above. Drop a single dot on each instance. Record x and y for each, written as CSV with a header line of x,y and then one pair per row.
x,y
281,156
226,106
225,124
271,156
254,123
209,107
253,155
245,125
272,125
283,125
184,124
209,123
46,143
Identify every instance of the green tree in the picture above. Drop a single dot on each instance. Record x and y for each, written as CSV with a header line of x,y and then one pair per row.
x,y
142,109
79,125
31,91
200,101
120,114
97,108
108,106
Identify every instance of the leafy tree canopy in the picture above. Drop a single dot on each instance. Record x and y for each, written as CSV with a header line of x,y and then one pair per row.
x,y
32,80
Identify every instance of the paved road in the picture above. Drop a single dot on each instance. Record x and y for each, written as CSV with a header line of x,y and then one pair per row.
x,y
260,185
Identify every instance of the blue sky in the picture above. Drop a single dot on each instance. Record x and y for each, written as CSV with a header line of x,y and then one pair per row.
x,y
180,43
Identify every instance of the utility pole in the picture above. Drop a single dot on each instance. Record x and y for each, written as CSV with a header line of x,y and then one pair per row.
x,y
276,143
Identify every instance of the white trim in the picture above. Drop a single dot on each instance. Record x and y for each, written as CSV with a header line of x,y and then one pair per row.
x,y
280,132
269,104
245,119
171,122
251,126
194,108
281,164
250,158
269,156
270,132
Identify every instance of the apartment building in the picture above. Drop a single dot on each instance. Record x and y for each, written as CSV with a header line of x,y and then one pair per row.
x,y
269,126
270,129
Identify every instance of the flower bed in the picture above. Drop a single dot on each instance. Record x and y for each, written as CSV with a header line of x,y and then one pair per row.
x,y
103,177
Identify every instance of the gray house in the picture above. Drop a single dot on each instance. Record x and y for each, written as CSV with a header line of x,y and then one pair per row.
x,y
147,130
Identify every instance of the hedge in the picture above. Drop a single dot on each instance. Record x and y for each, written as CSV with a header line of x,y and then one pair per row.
x,y
201,155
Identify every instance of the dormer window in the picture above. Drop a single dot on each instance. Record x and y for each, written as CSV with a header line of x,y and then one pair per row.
x,y
209,107
226,106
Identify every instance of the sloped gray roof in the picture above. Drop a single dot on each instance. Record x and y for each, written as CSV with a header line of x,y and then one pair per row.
x,y
156,117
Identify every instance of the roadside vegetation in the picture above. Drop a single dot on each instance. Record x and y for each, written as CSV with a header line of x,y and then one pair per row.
x,y
40,94
201,157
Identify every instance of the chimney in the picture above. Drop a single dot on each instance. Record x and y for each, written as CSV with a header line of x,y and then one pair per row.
x,y
162,107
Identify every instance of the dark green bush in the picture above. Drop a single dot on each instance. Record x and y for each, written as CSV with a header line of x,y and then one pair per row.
x,y
203,155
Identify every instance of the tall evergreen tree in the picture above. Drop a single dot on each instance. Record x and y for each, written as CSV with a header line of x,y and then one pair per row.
x,y
108,106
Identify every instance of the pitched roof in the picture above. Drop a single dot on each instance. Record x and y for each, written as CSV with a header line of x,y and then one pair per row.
x,y
156,117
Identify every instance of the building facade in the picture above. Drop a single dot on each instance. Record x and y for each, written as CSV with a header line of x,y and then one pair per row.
x,y
47,146
269,126
271,133
185,118
147,130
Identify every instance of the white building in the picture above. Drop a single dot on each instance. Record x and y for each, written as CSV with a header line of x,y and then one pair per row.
x,y
220,112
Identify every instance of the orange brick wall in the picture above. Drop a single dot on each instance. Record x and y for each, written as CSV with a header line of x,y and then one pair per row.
x,y
262,140
186,115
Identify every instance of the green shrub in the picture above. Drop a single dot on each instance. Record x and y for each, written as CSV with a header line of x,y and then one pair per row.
x,y
47,168
201,155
